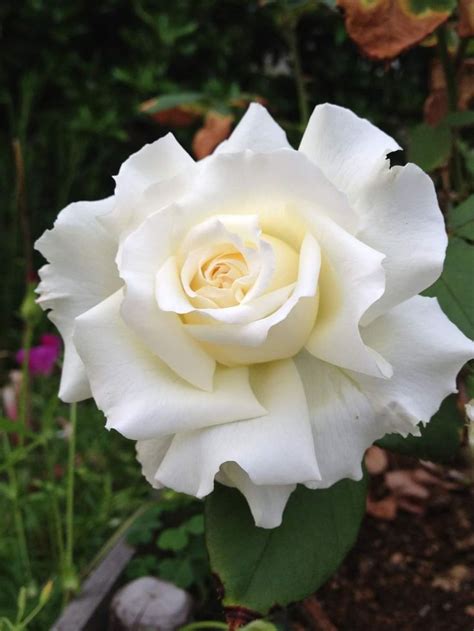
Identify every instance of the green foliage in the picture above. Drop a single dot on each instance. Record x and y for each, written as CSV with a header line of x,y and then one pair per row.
x,y
260,625
461,219
23,619
454,288
108,488
260,568
420,6
171,543
440,439
430,147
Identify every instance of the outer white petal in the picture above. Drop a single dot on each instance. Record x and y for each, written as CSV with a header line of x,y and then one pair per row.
x,y
398,207
348,149
426,351
272,185
275,449
266,502
402,219
143,253
159,160
342,419
141,397
257,131
163,165
351,279
81,273
150,453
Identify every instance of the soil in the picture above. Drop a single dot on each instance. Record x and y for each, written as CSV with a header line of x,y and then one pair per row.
x,y
414,572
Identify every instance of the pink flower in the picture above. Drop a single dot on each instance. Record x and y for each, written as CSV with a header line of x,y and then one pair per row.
x,y
43,357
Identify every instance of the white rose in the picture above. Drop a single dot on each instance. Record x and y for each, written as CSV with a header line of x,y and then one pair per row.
x,y
253,318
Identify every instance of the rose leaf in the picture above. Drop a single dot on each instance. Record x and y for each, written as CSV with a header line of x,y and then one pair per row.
x,y
259,568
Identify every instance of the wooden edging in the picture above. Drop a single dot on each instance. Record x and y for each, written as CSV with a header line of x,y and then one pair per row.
x,y
88,611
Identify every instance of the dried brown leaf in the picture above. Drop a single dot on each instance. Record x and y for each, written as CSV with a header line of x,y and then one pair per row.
x,y
436,105
466,18
385,509
376,460
385,28
216,129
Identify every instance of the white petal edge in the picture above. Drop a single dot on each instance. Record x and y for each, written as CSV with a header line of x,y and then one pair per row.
x,y
342,419
397,206
165,167
81,273
351,279
142,254
426,351
401,217
257,131
266,502
275,449
348,149
140,396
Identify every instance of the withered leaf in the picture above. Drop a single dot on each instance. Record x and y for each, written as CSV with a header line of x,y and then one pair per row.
x,y
385,28
466,18
216,129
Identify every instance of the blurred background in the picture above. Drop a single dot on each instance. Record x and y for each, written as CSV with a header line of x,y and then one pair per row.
x,y
85,84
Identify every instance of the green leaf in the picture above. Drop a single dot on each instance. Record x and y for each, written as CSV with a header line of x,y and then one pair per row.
x,y
177,571
259,625
421,6
461,219
454,288
260,568
459,119
440,440
430,147
169,101
195,525
15,427
173,539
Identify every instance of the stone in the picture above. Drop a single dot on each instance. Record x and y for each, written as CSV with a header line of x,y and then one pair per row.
x,y
150,604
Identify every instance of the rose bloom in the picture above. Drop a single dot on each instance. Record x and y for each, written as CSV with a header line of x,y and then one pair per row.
x,y
253,318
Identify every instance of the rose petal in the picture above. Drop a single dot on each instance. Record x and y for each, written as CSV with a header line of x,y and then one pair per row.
x,y
80,274
275,449
426,351
272,185
141,397
351,279
342,419
348,149
165,167
403,220
257,131
276,336
266,502
397,206
143,253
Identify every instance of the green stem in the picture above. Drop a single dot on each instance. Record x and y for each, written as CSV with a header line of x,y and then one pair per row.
x,y
205,624
18,516
121,530
56,522
24,397
21,452
449,72
448,68
300,84
69,548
